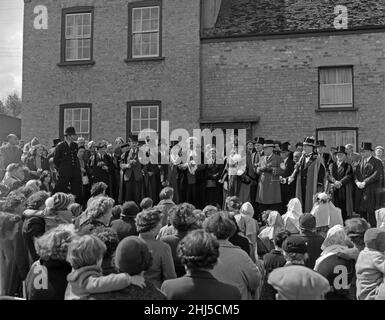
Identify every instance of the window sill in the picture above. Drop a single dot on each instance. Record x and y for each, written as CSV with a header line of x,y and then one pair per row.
x,y
75,63
128,60
336,109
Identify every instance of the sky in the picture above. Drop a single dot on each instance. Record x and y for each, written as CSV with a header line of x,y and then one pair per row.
x,y
11,43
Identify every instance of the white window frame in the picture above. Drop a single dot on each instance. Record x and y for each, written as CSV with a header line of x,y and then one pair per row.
x,y
140,119
80,133
323,133
150,31
325,86
76,37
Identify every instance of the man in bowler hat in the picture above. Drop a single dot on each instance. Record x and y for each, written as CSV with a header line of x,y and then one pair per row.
x,y
68,166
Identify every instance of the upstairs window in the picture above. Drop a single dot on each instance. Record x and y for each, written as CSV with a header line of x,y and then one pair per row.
x,y
77,37
144,30
336,87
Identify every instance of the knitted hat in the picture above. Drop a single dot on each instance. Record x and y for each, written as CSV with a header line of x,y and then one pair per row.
x,y
307,222
247,209
59,201
375,239
294,244
132,256
129,209
147,220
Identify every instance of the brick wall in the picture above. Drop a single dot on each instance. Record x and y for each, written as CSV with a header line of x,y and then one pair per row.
x,y
111,82
277,79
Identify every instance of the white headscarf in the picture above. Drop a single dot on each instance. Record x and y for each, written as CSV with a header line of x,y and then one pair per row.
x,y
335,242
274,225
326,213
380,217
294,212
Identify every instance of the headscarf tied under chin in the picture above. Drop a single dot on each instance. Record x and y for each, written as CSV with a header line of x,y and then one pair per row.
x,y
294,212
274,225
380,217
335,236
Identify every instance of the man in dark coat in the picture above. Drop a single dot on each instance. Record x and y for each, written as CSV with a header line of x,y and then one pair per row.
x,y
326,157
102,167
151,172
68,165
310,175
213,172
340,179
367,177
287,190
133,177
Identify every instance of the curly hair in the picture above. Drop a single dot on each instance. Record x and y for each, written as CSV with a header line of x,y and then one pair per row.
x,y
37,200
86,250
109,237
233,203
99,206
54,243
98,188
183,218
12,201
280,237
199,249
220,225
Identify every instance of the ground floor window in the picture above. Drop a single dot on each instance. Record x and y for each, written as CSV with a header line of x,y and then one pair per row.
x,y
335,137
142,116
77,116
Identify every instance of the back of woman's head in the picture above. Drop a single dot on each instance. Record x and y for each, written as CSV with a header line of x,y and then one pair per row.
x,y
166,193
280,237
76,209
182,217
87,250
54,243
99,206
37,200
98,188
198,250
233,203
146,203
221,225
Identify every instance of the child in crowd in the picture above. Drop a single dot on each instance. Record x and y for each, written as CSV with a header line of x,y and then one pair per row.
x,y
85,254
370,266
247,225
76,210
146,204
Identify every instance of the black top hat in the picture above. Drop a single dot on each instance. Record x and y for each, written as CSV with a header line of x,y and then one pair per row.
x,y
268,144
366,146
134,138
285,147
309,141
321,143
277,143
340,149
70,131
56,142
259,140
299,144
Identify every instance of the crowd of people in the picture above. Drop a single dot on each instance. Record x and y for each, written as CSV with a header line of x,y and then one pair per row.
x,y
86,220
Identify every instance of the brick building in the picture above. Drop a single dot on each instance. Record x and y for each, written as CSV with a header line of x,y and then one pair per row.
x,y
279,68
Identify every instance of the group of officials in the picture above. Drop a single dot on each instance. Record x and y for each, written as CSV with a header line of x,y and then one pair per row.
x,y
266,173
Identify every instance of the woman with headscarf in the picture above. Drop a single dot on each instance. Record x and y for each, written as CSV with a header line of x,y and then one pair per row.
x,y
326,214
336,263
291,217
380,217
275,224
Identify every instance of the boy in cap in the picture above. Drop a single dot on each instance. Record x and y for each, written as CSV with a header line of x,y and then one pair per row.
x,y
370,267
294,281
